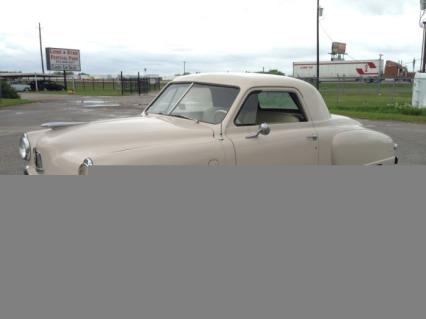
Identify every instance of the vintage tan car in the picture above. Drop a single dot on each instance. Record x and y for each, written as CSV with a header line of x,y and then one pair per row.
x,y
213,119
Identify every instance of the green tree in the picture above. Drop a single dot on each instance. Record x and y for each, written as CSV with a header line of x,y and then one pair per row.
x,y
7,91
273,71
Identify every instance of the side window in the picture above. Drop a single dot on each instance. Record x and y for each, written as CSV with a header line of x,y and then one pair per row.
x,y
270,107
277,101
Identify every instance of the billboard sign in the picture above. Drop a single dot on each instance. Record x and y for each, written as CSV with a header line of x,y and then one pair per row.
x,y
338,48
63,59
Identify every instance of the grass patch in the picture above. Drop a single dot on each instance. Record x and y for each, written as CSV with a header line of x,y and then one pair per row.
x,y
12,102
381,116
390,101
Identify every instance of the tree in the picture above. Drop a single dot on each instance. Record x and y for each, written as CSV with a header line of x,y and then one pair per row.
x,y
7,91
273,71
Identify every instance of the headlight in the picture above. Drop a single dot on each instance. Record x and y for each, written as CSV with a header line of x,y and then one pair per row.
x,y
25,148
84,168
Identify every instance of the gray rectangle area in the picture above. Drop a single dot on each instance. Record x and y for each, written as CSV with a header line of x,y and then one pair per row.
x,y
276,242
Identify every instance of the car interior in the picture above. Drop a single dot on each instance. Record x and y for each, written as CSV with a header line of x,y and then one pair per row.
x,y
270,107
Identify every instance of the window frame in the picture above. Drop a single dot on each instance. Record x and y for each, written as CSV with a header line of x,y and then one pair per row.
x,y
296,98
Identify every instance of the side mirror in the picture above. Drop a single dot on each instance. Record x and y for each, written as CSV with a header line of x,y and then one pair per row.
x,y
264,129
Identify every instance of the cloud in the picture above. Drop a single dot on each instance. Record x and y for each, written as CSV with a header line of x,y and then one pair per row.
x,y
375,7
225,36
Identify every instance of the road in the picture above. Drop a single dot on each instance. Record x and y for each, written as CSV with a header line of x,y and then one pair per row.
x,y
16,120
410,137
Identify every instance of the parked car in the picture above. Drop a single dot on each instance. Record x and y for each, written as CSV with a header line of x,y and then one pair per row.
x,y
46,85
21,87
213,119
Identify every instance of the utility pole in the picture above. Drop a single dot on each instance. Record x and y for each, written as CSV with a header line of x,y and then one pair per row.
x,y
184,67
419,87
423,69
41,48
379,75
318,44
423,25
414,65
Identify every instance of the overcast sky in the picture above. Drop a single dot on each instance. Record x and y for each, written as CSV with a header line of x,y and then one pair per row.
x,y
220,35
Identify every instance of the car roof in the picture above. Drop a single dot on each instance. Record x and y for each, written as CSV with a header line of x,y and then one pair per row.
x,y
245,81
242,79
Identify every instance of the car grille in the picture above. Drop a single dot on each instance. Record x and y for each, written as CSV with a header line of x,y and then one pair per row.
x,y
38,161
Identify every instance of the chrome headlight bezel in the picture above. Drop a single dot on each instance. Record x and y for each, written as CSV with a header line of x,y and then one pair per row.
x,y
84,167
25,147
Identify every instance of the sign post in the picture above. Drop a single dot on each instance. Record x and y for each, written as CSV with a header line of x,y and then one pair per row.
x,y
338,51
63,60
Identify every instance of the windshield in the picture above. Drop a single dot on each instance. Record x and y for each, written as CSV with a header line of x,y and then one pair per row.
x,y
200,102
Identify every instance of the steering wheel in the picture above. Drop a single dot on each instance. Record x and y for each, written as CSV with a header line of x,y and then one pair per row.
x,y
218,112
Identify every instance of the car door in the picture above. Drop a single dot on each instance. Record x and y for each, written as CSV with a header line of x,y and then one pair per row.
x,y
292,139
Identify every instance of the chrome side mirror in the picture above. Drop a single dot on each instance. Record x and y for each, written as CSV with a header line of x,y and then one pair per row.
x,y
264,129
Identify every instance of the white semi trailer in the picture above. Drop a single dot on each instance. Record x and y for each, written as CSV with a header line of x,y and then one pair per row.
x,y
366,70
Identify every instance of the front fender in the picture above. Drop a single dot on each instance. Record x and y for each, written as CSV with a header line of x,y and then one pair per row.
x,y
195,153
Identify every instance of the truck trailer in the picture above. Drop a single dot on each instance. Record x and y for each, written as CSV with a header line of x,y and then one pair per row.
x,y
356,70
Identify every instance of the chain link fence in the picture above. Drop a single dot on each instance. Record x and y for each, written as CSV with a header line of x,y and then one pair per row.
x,y
359,95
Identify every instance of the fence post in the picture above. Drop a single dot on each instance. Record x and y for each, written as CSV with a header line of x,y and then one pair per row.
x,y
84,85
36,82
337,91
393,93
93,84
113,84
65,81
103,84
121,79
139,83
379,86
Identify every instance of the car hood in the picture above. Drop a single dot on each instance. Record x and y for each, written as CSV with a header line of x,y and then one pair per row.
x,y
103,137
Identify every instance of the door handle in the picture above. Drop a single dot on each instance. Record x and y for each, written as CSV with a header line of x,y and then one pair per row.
x,y
312,137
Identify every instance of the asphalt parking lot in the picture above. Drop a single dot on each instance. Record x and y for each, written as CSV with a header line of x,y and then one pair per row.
x,y
16,120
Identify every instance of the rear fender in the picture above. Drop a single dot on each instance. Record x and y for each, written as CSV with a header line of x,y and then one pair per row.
x,y
362,147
